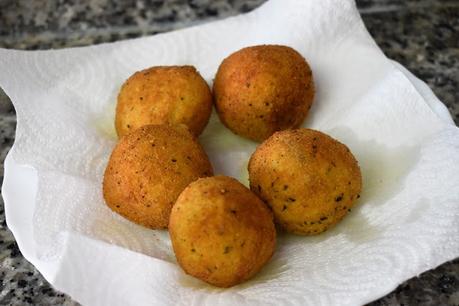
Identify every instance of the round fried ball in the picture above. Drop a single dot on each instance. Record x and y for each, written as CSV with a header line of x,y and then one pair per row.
x,y
263,89
148,169
309,179
221,232
164,95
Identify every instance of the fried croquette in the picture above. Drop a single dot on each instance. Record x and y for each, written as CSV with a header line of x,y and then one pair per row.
x,y
149,168
164,95
309,179
221,232
263,89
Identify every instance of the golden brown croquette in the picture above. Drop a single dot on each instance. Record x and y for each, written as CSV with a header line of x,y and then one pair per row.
x,y
149,168
221,232
164,95
309,179
263,89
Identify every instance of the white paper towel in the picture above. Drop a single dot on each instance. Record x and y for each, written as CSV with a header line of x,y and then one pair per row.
x,y
407,220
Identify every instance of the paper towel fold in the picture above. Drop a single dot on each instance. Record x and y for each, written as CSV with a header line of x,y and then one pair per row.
x,y
407,220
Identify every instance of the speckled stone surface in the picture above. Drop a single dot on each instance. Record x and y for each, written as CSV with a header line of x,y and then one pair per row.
x,y
423,35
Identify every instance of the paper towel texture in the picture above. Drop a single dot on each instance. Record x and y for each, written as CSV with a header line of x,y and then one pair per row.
x,y
407,219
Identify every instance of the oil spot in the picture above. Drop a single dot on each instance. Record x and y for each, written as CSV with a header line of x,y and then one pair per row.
x,y
383,169
104,122
273,269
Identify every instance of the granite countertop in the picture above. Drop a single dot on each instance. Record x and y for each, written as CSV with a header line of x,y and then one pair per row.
x,y
423,35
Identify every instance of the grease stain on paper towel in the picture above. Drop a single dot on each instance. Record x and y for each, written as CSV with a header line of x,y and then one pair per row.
x,y
216,136
228,152
105,122
272,270
244,177
384,171
188,281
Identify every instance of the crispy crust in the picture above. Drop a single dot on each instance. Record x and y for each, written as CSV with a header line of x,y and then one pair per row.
x,y
309,179
221,232
263,89
164,95
148,169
